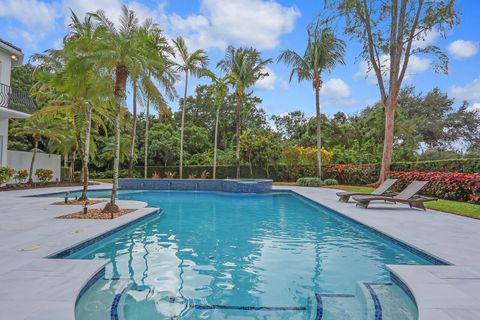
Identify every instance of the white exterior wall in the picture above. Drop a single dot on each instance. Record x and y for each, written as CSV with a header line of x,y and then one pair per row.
x,y
5,67
20,160
3,141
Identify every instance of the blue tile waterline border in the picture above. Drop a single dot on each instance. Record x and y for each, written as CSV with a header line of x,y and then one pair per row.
x,y
82,245
225,185
419,252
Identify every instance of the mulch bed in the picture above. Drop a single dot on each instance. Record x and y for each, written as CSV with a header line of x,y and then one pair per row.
x,y
78,202
25,186
96,214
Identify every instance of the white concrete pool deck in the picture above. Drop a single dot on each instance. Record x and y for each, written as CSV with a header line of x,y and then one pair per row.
x,y
33,287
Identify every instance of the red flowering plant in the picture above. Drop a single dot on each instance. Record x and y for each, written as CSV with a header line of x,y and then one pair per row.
x,y
443,184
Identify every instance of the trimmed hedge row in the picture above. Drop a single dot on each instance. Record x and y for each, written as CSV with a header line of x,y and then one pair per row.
x,y
443,184
459,165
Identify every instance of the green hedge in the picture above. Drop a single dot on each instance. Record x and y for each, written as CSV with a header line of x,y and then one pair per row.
x,y
459,165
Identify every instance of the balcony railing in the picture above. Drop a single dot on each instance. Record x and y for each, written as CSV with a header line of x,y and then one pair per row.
x,y
15,99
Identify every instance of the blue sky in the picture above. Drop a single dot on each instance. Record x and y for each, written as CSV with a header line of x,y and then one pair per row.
x,y
271,26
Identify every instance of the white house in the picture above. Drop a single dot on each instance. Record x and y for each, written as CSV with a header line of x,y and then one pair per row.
x,y
10,99
17,104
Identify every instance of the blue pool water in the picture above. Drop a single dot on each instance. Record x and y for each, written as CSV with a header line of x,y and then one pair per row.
x,y
243,256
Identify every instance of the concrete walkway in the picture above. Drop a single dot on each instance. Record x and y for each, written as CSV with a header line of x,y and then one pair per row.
x,y
32,287
441,292
36,288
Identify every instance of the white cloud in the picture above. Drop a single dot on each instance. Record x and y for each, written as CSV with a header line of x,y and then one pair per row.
x,y
250,22
475,106
336,88
36,19
267,83
416,65
257,23
469,92
31,13
425,39
462,49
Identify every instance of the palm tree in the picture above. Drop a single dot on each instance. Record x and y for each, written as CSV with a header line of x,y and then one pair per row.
x,y
143,88
219,89
71,81
37,127
246,67
119,54
190,63
324,51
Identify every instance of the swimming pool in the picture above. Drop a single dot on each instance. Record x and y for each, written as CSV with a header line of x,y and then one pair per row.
x,y
215,255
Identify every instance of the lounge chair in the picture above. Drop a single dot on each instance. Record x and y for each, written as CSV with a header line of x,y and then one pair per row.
x,y
381,190
408,196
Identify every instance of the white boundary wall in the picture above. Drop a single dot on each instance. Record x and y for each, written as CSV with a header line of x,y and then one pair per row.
x,y
20,160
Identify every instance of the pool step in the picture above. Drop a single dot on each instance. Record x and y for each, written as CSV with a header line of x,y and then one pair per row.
x,y
338,306
388,302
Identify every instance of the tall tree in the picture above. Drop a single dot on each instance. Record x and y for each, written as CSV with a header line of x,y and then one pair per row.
x,y
219,90
143,88
191,64
72,83
391,33
324,51
246,67
119,56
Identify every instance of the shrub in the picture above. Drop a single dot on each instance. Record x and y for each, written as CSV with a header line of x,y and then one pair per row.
x,y
359,174
44,174
155,175
169,175
5,174
471,165
310,182
330,182
21,176
192,176
443,184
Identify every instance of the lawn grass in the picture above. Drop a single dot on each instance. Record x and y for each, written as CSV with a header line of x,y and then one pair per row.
x,y
104,180
456,207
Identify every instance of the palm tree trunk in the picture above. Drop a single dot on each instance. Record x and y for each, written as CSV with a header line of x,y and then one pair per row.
x,y
237,134
112,206
30,173
72,166
388,138
134,131
319,136
121,74
147,122
183,125
215,144
86,154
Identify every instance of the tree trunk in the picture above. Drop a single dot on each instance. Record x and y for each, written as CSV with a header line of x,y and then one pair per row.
x,y
147,121
121,74
319,136
237,133
30,173
72,166
183,125
112,206
215,144
134,131
388,139
86,154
